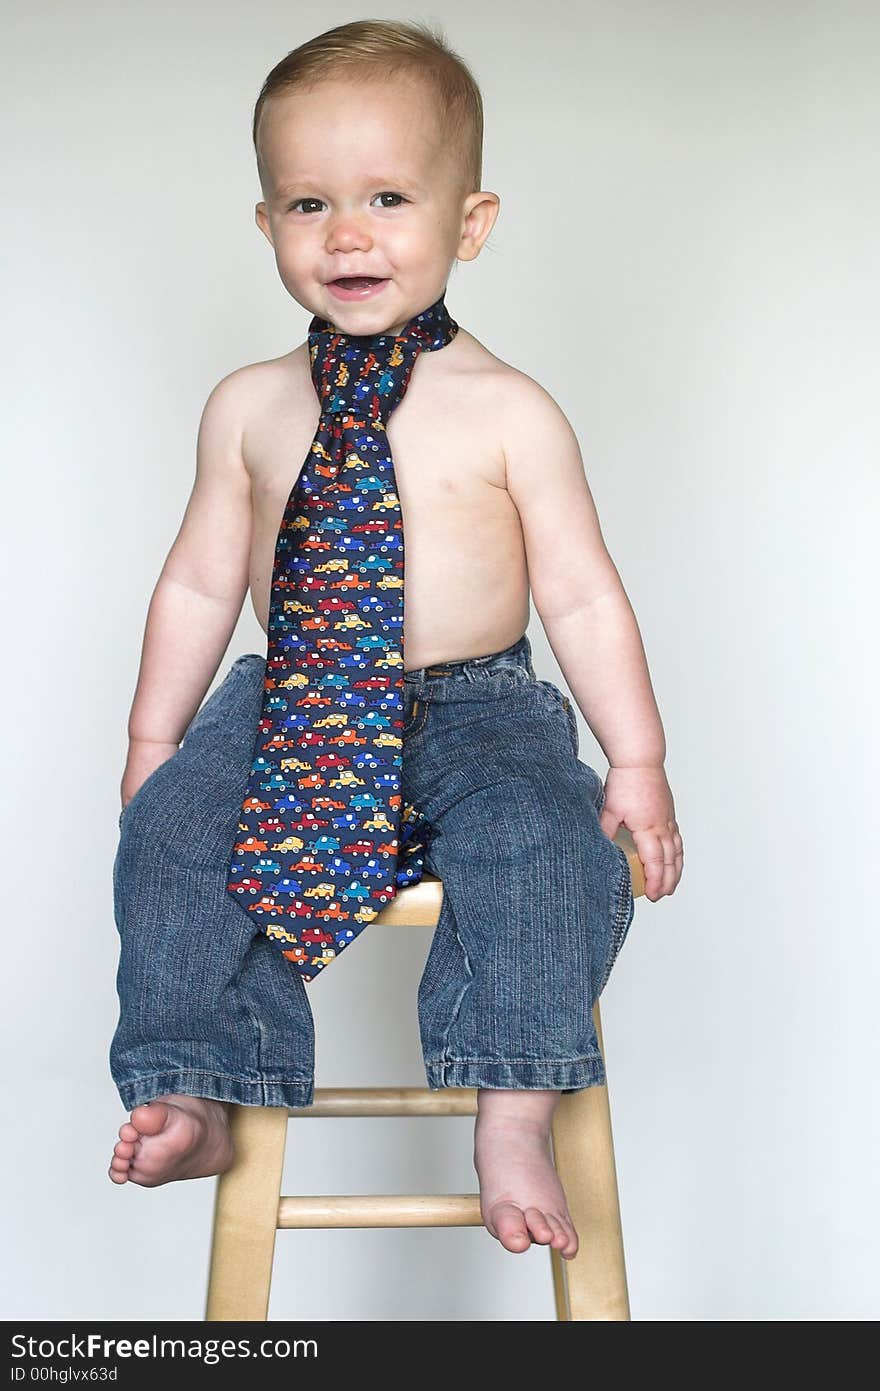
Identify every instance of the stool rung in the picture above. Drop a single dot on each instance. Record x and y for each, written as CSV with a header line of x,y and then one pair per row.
x,y
382,1210
389,1101
249,1212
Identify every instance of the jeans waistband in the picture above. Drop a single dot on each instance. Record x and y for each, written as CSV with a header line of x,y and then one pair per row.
x,y
518,654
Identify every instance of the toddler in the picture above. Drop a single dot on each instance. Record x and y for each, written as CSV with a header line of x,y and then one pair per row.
x,y
368,141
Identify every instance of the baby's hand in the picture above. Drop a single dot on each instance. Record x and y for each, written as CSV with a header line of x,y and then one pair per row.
x,y
640,799
144,757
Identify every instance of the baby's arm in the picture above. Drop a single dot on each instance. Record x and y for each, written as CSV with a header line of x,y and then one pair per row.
x,y
591,626
199,594
577,590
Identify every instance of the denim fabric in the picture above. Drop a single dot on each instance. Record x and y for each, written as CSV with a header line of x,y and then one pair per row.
x,y
537,900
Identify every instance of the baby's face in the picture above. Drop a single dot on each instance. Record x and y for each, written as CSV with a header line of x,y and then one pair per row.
x,y
360,185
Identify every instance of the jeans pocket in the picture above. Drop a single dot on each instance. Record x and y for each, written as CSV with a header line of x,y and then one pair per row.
x,y
123,815
117,879
572,724
562,703
417,716
622,911
227,690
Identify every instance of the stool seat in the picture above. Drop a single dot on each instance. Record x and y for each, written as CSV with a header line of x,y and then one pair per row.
x,y
249,1208
416,906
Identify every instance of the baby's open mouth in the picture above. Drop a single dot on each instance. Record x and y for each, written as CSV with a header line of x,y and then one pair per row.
x,y
357,282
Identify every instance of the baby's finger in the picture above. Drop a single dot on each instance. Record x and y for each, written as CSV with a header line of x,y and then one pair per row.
x,y
673,858
677,848
650,850
669,867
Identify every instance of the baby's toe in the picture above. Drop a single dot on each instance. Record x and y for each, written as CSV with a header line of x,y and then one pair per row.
x,y
510,1226
560,1236
150,1118
569,1248
538,1225
124,1149
118,1169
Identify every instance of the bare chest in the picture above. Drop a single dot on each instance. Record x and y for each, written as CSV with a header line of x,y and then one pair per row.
x,y
449,465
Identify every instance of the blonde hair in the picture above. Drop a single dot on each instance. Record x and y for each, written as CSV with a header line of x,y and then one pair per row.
x,y
377,50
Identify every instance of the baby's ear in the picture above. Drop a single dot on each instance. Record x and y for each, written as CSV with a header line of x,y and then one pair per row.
x,y
480,211
261,217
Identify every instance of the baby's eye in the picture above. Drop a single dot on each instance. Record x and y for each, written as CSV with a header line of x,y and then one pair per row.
x,y
318,202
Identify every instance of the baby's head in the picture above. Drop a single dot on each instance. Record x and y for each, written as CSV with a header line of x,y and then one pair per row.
x,y
369,151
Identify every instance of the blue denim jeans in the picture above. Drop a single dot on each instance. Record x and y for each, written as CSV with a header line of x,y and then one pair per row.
x,y
537,900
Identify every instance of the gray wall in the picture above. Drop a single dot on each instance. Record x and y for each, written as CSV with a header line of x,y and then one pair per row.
x,y
686,259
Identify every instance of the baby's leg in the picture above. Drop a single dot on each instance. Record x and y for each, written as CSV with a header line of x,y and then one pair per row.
x,y
536,900
210,1011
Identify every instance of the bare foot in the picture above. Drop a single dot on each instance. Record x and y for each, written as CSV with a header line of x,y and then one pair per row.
x,y
521,1197
172,1137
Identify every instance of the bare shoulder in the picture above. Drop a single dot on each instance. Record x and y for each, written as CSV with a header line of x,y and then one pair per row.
x,y
531,423
523,398
247,390
474,370
255,401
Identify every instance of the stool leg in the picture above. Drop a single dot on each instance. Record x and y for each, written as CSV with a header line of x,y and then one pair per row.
x,y
246,1215
583,1151
560,1294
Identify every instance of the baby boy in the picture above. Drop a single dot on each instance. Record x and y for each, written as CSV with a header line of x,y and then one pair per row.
x,y
368,144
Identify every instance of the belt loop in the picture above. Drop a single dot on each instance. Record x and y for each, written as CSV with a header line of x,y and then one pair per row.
x,y
476,665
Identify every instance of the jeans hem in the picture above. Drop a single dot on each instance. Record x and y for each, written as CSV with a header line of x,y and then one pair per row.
x,y
541,1074
217,1087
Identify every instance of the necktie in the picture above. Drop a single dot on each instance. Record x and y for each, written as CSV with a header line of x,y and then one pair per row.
x,y
323,843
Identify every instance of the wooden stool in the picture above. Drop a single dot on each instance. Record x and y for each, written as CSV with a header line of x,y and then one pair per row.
x,y
249,1208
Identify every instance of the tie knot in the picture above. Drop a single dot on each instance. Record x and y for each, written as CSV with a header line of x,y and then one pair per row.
x,y
353,380
367,375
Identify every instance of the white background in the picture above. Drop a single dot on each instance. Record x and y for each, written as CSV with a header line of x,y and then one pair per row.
x,y
686,259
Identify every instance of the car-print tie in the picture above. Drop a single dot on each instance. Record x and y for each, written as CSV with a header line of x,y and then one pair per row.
x,y
324,842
